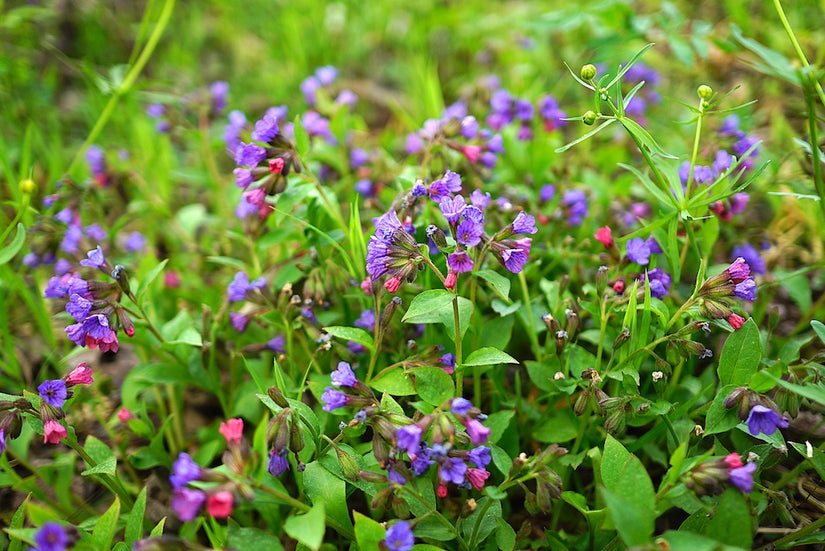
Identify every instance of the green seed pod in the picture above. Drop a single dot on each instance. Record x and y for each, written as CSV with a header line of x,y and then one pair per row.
x,y
704,91
27,186
589,118
588,72
348,464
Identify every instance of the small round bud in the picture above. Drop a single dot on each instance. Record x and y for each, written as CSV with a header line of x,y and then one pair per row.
x,y
705,91
705,104
588,72
589,118
27,186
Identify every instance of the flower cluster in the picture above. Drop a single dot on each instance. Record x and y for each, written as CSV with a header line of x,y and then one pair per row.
x,y
716,292
710,477
757,410
53,536
94,305
506,109
186,501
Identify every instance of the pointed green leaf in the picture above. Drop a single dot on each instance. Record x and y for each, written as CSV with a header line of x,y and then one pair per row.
x,y
301,137
427,303
433,384
134,525
308,528
489,356
740,355
106,525
8,252
354,334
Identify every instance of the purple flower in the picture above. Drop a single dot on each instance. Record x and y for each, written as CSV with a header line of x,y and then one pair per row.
x,y
730,126
95,232
422,461
744,144
478,432
278,463
309,86
457,110
156,110
239,321
742,477
576,203
187,503
386,225
722,162
480,456
399,537
309,314
135,242
333,399
746,289
53,392
660,282
408,438
366,321
2,441
51,537
95,260
524,223
413,144
460,406
448,360
469,233
524,110
266,129
738,203
240,286
496,144
638,251
219,91
184,471
95,326
344,376
364,187
453,470
249,155
479,199
443,187
71,240
78,307
358,157
515,259
62,266
356,348
765,420
460,262
97,163
316,125
547,192
751,256
66,215
452,208
739,270
326,75
395,476
469,127
346,97
277,344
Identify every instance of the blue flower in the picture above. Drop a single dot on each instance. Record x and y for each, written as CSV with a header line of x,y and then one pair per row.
x,y
480,456
469,233
343,376
78,307
638,251
460,406
333,399
184,471
453,470
765,420
742,477
51,537
240,286
399,537
751,256
277,462
53,392
95,260
524,223
266,129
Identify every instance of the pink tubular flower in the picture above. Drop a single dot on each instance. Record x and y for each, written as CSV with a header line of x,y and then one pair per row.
x,y
366,286
53,432
736,321
81,375
478,432
605,235
392,284
232,430
450,280
472,153
123,415
733,461
219,505
476,477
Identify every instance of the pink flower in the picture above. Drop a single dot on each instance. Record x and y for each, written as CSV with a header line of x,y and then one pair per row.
x,y
450,280
124,415
605,235
736,321
392,284
733,461
476,477
478,432
232,430
472,152
219,505
81,375
366,286
53,432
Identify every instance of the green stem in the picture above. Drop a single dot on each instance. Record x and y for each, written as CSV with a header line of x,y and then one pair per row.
x,y
534,339
127,83
336,215
692,239
459,359
815,153
688,303
815,525
797,48
696,137
112,482
376,337
289,500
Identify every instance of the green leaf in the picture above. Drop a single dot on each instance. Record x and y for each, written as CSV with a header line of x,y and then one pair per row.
x,y
134,524
719,418
645,138
815,392
102,455
301,137
628,65
17,523
740,355
481,527
654,189
8,252
396,382
308,528
158,529
368,533
505,535
558,429
498,423
238,537
106,525
322,485
729,524
499,283
819,329
433,384
109,466
489,356
427,303
354,334
628,492
817,458
590,134
689,541
150,277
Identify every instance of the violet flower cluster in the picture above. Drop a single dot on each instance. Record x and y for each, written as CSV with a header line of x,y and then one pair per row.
x,y
187,501
716,292
711,477
507,109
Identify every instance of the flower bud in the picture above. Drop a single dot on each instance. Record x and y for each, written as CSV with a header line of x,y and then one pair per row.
x,y
120,275
27,186
615,422
589,118
551,323
581,403
622,338
389,312
601,280
381,450
275,394
704,91
588,72
296,435
347,463
375,478
468,508
382,498
437,235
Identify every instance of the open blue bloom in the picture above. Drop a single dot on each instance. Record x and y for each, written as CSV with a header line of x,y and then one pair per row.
x,y
395,476
187,503
51,537
460,262
480,199
95,260
453,470
751,256
366,321
333,399
53,392
746,289
219,91
765,420
399,537
524,223
460,406
480,456
408,438
78,307
266,129
452,207
134,242
241,285
184,471
547,192
95,232
344,376
277,344
239,321
514,259
469,233
443,187
249,155
95,326
422,460
575,202
638,251
742,477
660,282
